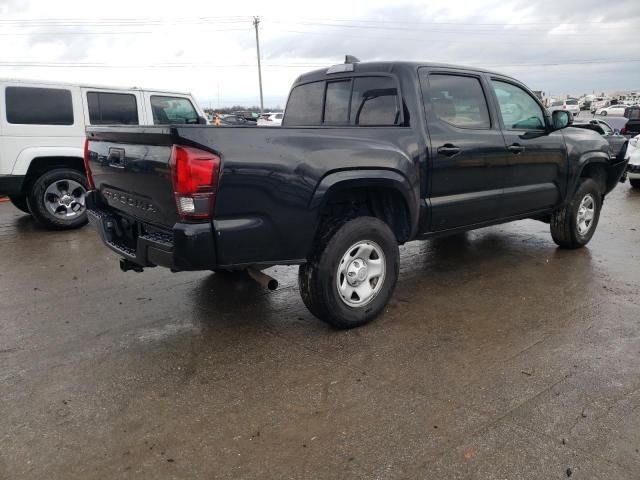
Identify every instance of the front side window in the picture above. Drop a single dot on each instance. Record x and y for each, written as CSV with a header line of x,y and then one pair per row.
x,y
374,102
112,108
458,100
305,105
518,109
38,106
173,110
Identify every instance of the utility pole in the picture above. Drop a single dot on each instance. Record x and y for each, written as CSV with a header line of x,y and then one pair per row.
x,y
256,22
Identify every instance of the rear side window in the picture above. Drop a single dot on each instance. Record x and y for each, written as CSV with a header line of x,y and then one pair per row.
x,y
38,106
112,108
458,100
305,105
374,102
171,110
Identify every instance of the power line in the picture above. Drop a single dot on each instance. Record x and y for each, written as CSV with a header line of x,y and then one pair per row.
x,y
386,21
277,65
443,31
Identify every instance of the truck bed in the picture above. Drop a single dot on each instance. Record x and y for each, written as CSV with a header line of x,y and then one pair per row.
x,y
264,209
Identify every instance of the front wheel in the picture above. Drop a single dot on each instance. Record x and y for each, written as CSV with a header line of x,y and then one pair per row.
x,y
56,199
574,225
635,183
352,273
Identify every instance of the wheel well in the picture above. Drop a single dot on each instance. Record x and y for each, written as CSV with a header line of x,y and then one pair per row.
x,y
40,165
384,203
598,173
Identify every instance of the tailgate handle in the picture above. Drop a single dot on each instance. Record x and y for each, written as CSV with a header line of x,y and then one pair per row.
x,y
116,157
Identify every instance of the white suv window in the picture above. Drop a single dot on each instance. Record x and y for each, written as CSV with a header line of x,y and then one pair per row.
x,y
168,110
112,108
38,106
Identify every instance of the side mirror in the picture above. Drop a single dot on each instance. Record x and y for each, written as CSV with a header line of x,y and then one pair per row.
x,y
202,121
616,132
561,119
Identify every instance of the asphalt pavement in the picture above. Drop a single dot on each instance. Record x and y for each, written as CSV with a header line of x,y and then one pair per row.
x,y
500,356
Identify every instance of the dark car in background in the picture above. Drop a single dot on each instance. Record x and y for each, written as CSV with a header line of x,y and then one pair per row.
x,y
632,127
617,142
233,120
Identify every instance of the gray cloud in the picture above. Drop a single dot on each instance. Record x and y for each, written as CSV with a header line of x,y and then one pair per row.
x,y
537,40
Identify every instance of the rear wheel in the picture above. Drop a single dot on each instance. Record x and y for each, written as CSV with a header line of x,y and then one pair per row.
x,y
574,225
57,199
352,274
20,202
635,182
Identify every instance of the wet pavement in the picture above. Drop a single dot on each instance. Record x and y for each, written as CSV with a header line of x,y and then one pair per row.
x,y
500,356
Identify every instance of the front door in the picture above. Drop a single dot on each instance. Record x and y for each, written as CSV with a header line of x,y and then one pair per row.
x,y
537,163
467,151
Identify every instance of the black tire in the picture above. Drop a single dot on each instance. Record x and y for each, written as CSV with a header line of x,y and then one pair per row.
x,y
635,183
36,199
564,223
20,202
317,279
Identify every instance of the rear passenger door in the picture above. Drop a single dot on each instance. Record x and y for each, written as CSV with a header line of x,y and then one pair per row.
x,y
537,160
467,151
112,107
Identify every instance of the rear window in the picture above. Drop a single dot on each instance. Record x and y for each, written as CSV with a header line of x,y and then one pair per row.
x,y
172,110
112,108
38,106
305,105
365,101
572,102
336,104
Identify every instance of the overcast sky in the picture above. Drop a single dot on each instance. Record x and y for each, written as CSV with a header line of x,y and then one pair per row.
x,y
208,47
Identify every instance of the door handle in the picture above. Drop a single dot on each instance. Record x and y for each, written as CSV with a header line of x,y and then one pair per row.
x,y
516,148
448,150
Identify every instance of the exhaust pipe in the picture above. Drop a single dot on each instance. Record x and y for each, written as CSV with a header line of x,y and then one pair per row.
x,y
263,279
126,265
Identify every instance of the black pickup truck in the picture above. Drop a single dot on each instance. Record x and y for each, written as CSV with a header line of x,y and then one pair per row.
x,y
369,156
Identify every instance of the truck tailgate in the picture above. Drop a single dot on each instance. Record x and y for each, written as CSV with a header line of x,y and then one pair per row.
x,y
131,170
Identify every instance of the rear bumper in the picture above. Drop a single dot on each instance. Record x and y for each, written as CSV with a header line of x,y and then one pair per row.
x,y
11,184
188,246
633,171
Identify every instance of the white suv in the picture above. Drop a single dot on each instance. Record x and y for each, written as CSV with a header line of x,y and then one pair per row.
x,y
42,131
570,105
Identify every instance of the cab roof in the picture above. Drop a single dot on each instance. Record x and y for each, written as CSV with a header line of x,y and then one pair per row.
x,y
385,67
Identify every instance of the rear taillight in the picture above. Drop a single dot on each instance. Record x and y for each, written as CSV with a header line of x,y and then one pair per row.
x,y
195,181
87,169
